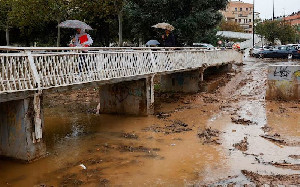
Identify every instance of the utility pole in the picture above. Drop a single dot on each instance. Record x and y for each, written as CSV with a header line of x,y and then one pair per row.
x,y
253,25
273,11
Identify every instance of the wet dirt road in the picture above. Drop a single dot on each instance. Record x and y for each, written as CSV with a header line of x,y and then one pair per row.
x,y
229,137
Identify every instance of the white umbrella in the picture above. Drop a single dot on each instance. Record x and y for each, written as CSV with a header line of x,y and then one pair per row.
x,y
163,25
75,24
152,42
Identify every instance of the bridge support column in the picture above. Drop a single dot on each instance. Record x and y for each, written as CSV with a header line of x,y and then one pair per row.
x,y
131,97
21,125
187,82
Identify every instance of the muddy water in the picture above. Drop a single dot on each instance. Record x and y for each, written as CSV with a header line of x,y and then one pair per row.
x,y
165,150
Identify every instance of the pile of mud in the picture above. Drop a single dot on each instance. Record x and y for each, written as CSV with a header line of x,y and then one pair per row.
x,y
176,127
273,180
243,145
210,136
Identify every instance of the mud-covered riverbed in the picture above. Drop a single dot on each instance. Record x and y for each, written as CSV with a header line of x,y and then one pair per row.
x,y
229,137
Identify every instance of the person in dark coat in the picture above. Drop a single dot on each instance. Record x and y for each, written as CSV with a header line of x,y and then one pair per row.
x,y
168,39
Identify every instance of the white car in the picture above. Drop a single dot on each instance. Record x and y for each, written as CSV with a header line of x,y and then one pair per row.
x,y
204,45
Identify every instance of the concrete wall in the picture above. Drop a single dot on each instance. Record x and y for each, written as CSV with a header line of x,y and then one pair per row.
x,y
283,82
17,130
187,82
130,97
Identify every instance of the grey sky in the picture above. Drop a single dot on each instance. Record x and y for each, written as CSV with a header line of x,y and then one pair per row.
x,y
265,7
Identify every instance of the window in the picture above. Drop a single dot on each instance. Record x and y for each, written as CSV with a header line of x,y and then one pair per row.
x,y
250,26
249,20
235,20
240,20
235,9
241,9
246,9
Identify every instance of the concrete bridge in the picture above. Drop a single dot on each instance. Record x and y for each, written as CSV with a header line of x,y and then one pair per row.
x,y
124,75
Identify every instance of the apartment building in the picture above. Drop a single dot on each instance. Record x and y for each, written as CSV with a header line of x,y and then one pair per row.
x,y
241,13
293,19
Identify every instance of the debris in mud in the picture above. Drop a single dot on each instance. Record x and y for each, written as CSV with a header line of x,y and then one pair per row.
x,y
221,182
82,166
210,100
151,155
162,115
210,136
71,180
243,145
182,108
287,165
266,129
176,127
242,121
130,135
272,179
282,109
127,148
275,138
104,182
294,156
169,97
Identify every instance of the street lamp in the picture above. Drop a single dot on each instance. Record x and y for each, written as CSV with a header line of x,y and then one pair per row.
x,y
273,11
253,24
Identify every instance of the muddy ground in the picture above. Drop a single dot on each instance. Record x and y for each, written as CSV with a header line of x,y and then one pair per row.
x,y
231,136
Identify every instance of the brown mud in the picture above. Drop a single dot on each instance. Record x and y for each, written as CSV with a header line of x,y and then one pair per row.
x,y
230,137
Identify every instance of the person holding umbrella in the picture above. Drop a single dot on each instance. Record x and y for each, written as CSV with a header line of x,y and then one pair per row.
x,y
168,38
81,39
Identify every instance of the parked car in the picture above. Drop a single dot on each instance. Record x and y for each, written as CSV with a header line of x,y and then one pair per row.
x,y
288,51
204,45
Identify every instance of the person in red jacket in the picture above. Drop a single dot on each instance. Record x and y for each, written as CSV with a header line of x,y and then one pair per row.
x,y
81,39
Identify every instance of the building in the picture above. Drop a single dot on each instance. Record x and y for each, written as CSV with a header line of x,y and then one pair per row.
x,y
293,20
241,13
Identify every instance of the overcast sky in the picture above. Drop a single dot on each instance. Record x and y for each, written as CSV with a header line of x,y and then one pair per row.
x,y
265,7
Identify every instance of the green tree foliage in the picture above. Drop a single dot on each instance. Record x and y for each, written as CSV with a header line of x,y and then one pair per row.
x,y
102,15
5,17
230,26
5,9
36,20
193,19
273,30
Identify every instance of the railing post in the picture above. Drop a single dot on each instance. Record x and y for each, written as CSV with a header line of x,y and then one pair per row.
x,y
153,62
34,70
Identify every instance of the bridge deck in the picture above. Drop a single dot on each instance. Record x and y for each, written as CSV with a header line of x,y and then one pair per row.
x,y
32,69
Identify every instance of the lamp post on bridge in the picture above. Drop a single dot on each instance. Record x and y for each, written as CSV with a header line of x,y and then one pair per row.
x,y
253,30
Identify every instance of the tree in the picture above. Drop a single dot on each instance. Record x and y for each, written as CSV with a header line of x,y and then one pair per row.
x,y
230,26
59,10
28,15
287,33
193,19
273,30
101,15
5,18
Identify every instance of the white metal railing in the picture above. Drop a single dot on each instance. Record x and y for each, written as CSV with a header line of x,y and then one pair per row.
x,y
44,68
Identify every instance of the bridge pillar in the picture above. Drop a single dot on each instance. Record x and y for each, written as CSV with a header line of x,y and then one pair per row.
x,y
187,82
131,97
283,82
21,125
195,80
